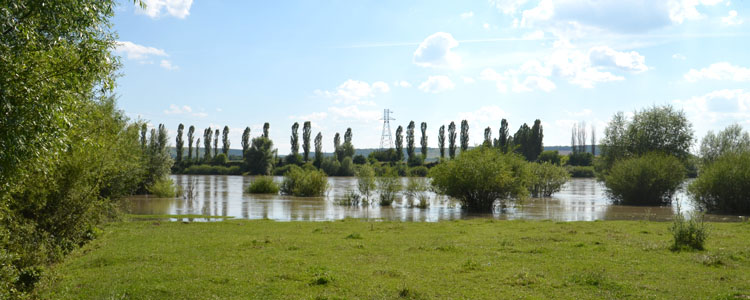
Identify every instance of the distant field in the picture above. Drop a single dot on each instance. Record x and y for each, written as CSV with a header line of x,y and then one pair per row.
x,y
475,259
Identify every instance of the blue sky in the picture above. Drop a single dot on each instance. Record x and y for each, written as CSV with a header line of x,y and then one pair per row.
x,y
340,63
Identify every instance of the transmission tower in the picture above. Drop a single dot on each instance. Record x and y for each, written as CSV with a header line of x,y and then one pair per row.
x,y
385,139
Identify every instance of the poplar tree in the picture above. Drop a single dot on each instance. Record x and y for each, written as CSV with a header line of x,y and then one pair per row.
x,y
488,136
423,141
144,129
337,146
179,142
410,140
503,136
294,139
197,149
464,135
400,143
306,131
266,127
318,148
441,141
216,142
190,135
225,141
207,134
452,140
245,140
537,134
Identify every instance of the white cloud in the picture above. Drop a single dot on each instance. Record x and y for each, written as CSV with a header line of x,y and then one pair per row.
x,y
315,116
176,110
583,113
437,84
535,35
166,64
681,10
628,61
468,80
467,15
484,115
486,25
402,83
508,7
157,8
679,56
717,107
354,91
732,19
719,71
353,112
137,52
532,83
435,51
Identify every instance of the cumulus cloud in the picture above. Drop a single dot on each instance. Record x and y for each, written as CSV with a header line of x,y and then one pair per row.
x,y
719,71
353,112
718,107
402,83
467,15
176,110
355,91
437,84
137,52
435,51
731,19
315,116
628,61
166,64
484,115
175,8
679,56
508,7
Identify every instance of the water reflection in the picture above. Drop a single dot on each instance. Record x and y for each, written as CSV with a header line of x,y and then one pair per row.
x,y
217,195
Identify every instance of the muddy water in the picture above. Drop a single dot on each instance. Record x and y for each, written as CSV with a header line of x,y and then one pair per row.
x,y
217,195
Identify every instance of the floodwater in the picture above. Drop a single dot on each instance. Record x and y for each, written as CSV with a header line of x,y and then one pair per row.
x,y
220,195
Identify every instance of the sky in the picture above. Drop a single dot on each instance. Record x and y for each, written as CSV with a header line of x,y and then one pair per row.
x,y
339,64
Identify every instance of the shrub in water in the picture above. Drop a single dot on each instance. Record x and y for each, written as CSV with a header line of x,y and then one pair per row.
x,y
263,185
304,183
547,179
366,181
416,189
724,185
163,188
420,171
580,171
389,184
651,179
480,176
351,198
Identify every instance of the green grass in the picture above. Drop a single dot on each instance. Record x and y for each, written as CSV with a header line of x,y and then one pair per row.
x,y
476,259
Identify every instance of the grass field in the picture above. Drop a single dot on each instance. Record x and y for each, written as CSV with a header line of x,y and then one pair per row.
x,y
475,259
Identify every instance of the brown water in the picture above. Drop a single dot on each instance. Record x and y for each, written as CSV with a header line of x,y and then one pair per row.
x,y
218,195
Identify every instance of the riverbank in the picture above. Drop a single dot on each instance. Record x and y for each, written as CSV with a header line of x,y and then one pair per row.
x,y
478,259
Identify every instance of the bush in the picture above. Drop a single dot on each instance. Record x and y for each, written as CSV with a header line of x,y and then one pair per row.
x,y
547,179
163,188
212,170
550,156
280,171
366,181
580,159
330,166
420,171
293,159
389,155
690,234
219,160
263,185
347,167
389,184
359,159
351,198
304,183
415,160
416,189
480,176
651,179
724,185
580,171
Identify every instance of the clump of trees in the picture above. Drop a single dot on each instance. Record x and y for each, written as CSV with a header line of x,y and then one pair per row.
x,y
304,183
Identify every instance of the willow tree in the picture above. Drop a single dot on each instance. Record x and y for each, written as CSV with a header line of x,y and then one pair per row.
x,y
452,140
400,143
423,140
294,139
225,141
191,136
441,141
179,142
306,131
245,140
266,128
464,135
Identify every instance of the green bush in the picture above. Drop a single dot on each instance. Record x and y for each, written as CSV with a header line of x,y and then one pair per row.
x,y
580,171
580,159
366,181
263,185
480,176
651,179
690,234
220,159
415,160
347,167
280,171
389,184
547,179
212,170
304,183
359,159
416,189
550,156
163,188
420,171
724,185
330,166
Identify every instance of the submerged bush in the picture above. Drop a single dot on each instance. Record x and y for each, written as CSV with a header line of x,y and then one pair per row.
x,y
651,179
420,171
163,188
724,185
263,185
212,170
304,183
547,179
580,171
480,176
416,190
389,184
366,181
